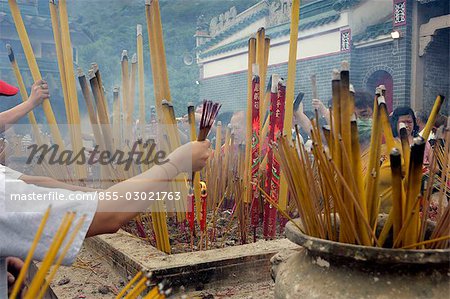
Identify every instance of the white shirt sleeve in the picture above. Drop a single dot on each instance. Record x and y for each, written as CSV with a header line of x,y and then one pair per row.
x,y
11,173
20,219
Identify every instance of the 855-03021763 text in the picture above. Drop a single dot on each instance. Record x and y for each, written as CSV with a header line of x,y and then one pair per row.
x,y
151,196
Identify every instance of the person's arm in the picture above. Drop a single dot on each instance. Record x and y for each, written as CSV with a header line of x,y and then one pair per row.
x,y
189,157
323,111
303,121
52,183
39,92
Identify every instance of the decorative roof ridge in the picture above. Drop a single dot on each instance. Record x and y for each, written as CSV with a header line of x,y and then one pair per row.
x,y
41,22
340,5
233,28
375,30
276,31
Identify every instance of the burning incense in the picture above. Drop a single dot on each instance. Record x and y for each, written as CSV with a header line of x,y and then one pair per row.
x,y
74,114
132,91
261,55
397,191
209,114
141,87
23,93
373,171
102,113
59,54
413,188
196,176
290,89
249,128
117,123
125,83
406,149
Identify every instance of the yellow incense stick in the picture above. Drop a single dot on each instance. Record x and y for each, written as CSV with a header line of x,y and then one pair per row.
x,y
141,87
372,175
137,289
59,55
66,248
260,61
290,87
130,284
414,181
406,149
384,118
74,115
397,192
50,256
27,262
23,93
101,111
248,135
125,82
433,115
117,124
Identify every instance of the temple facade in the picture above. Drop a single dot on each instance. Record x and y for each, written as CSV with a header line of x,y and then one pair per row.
x,y
403,44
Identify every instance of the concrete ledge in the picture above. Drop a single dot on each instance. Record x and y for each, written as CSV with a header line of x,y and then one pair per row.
x,y
217,267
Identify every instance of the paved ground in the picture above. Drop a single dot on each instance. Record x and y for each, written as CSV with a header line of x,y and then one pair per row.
x,y
90,277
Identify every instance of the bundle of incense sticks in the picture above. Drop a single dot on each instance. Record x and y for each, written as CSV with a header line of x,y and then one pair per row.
x,y
330,187
144,282
40,282
209,114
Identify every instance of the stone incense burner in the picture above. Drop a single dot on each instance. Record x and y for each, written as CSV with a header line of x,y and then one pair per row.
x,y
328,269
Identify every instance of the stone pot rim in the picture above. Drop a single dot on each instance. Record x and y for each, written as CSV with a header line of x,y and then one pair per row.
x,y
358,253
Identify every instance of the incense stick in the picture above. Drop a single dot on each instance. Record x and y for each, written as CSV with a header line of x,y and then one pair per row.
x,y
23,272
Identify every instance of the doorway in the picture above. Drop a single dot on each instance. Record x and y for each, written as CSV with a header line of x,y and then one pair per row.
x,y
378,78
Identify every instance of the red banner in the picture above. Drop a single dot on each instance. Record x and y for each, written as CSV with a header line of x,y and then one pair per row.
x,y
255,151
272,184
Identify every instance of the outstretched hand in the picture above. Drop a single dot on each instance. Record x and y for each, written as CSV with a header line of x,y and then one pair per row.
x,y
192,156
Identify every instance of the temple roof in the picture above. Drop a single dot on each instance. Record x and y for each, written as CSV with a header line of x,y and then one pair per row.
x,y
312,14
279,30
374,31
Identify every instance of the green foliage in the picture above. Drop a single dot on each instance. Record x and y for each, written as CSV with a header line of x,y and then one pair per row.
x,y
112,26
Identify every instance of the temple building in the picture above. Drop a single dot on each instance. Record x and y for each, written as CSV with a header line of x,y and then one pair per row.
x,y
403,44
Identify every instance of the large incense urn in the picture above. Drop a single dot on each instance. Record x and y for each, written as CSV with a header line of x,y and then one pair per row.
x,y
327,269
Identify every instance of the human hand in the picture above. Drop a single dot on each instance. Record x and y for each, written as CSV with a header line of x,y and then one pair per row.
x,y
14,266
319,106
39,92
192,156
